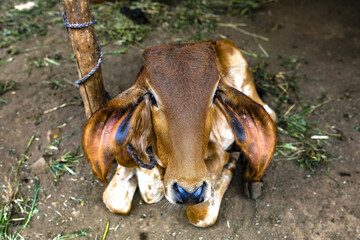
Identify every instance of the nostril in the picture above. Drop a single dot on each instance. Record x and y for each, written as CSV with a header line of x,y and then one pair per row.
x,y
180,194
198,195
184,197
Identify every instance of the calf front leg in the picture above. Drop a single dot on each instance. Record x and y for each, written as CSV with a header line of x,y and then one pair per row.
x,y
119,194
150,184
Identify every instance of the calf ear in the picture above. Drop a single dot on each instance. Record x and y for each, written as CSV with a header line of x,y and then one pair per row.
x,y
109,129
253,128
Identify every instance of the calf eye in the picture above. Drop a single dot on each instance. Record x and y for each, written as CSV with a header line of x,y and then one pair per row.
x,y
215,95
153,100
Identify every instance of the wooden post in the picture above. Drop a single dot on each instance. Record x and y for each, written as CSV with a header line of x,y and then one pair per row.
x,y
86,52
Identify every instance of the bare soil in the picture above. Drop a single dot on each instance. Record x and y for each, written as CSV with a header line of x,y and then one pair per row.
x,y
296,202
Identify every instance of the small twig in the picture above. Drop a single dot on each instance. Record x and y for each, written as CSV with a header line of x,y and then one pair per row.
x,y
261,48
61,106
321,104
333,179
255,55
289,110
327,133
117,226
52,61
243,31
17,219
39,47
70,82
319,137
232,24
69,170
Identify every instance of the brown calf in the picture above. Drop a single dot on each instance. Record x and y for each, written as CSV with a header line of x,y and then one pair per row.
x,y
190,102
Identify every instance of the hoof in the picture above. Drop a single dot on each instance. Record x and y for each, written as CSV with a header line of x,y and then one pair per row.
x,y
119,194
204,214
253,189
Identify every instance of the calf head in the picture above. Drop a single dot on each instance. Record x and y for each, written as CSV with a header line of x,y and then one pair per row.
x,y
170,108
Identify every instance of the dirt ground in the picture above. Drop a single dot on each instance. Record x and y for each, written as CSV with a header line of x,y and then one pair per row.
x,y
296,202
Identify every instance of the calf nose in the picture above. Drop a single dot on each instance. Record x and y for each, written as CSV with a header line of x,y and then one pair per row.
x,y
184,197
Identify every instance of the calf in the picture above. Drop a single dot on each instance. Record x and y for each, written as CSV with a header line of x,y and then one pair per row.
x,y
171,130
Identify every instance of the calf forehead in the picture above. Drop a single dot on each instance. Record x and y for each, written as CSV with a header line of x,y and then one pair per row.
x,y
183,74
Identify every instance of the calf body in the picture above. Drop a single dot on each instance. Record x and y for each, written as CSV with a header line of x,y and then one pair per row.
x,y
190,103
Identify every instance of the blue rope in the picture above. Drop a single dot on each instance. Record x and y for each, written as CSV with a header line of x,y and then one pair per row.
x,y
80,25
83,25
82,80
150,154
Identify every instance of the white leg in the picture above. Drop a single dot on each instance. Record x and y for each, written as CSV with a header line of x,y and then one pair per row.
x,y
205,214
150,184
119,194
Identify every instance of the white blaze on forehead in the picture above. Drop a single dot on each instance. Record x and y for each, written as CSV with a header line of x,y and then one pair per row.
x,y
119,194
150,185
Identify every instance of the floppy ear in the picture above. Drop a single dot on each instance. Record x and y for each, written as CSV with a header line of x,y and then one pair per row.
x,y
109,129
253,128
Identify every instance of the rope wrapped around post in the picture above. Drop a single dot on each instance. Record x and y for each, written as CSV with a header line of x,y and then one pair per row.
x,y
84,25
